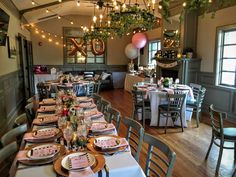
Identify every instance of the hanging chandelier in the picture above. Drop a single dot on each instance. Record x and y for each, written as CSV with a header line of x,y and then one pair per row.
x,y
120,19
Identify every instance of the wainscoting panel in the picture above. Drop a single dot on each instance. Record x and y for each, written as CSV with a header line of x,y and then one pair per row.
x,y
11,99
223,99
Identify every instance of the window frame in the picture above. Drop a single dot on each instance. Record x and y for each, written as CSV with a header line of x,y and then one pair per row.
x,y
149,51
220,36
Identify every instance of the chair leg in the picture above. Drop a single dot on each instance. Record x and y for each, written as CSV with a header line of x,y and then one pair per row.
x,y
197,117
219,158
167,117
133,113
158,118
181,121
209,149
143,117
234,151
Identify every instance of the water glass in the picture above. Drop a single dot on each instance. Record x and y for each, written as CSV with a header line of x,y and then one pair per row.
x,y
82,131
62,122
68,135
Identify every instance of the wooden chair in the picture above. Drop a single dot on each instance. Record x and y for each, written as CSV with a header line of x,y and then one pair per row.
x,y
7,155
135,132
140,105
173,109
13,134
104,106
30,112
43,90
196,105
20,120
160,158
113,116
220,135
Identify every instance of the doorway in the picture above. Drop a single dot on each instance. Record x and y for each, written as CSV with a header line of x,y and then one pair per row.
x,y
26,62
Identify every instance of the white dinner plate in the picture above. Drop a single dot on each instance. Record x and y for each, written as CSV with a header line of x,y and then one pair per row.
x,y
65,160
44,146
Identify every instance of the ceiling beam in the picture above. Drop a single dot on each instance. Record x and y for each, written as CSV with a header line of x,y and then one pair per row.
x,y
22,12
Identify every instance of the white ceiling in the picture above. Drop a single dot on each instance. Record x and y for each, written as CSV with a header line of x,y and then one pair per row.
x,y
65,8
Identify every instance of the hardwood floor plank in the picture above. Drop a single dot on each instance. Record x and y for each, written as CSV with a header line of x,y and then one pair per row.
x,y
190,146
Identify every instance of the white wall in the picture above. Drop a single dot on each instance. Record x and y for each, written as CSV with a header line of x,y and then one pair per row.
x,y
51,54
206,37
10,65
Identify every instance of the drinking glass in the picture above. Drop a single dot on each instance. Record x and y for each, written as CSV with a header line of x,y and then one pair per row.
x,y
82,131
62,122
68,135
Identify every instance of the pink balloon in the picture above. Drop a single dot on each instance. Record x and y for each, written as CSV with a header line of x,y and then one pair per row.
x,y
139,40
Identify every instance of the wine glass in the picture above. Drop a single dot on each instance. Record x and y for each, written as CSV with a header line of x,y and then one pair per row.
x,y
82,131
62,122
68,135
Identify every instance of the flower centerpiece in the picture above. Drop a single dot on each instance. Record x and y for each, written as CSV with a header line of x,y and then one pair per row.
x,y
166,82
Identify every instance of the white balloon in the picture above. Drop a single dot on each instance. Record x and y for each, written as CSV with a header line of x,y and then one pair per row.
x,y
131,51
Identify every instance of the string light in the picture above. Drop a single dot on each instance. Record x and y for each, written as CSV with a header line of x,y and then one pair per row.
x,y
71,22
33,3
47,10
78,3
59,0
59,17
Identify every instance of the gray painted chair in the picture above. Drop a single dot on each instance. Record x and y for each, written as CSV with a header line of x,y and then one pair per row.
x,y
7,155
43,90
30,100
20,120
97,86
90,89
97,100
160,158
134,136
30,112
220,135
140,105
113,116
196,105
173,109
13,135
104,106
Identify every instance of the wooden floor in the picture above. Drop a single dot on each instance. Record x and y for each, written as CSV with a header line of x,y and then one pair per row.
x,y
190,146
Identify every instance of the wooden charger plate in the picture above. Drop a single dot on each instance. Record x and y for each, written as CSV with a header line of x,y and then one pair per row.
x,y
44,161
98,165
95,149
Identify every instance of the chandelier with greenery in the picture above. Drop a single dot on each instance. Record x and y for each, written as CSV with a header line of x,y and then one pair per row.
x,y
120,19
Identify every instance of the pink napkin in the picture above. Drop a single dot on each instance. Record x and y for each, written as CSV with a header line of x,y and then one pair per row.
x,y
90,112
102,127
44,151
123,142
45,119
46,108
106,143
78,162
29,136
87,105
87,172
22,155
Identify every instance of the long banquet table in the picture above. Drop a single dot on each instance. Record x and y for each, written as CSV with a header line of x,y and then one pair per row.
x,y
119,164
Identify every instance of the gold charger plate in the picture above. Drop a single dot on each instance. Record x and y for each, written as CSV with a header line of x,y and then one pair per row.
x,y
33,162
95,149
98,165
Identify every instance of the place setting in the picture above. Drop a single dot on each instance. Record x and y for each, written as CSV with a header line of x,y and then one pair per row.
x,y
44,119
101,128
43,135
40,154
47,109
108,144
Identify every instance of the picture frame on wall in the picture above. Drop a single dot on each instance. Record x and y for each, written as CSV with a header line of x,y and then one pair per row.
x,y
11,47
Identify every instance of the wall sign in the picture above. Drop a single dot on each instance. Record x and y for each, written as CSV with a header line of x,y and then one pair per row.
x,y
167,65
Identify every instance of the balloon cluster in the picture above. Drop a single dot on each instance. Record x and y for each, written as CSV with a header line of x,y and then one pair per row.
x,y
139,40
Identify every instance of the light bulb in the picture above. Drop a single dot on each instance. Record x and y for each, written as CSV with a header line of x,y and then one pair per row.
x,y
59,0
57,43
47,10
43,36
184,4
33,3
71,22
78,3
94,19
50,40
59,17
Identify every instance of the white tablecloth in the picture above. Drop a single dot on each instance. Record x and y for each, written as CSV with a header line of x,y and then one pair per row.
x,y
159,97
119,165
42,78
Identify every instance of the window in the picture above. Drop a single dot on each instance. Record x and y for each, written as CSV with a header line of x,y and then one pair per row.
x,y
153,47
226,57
76,51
